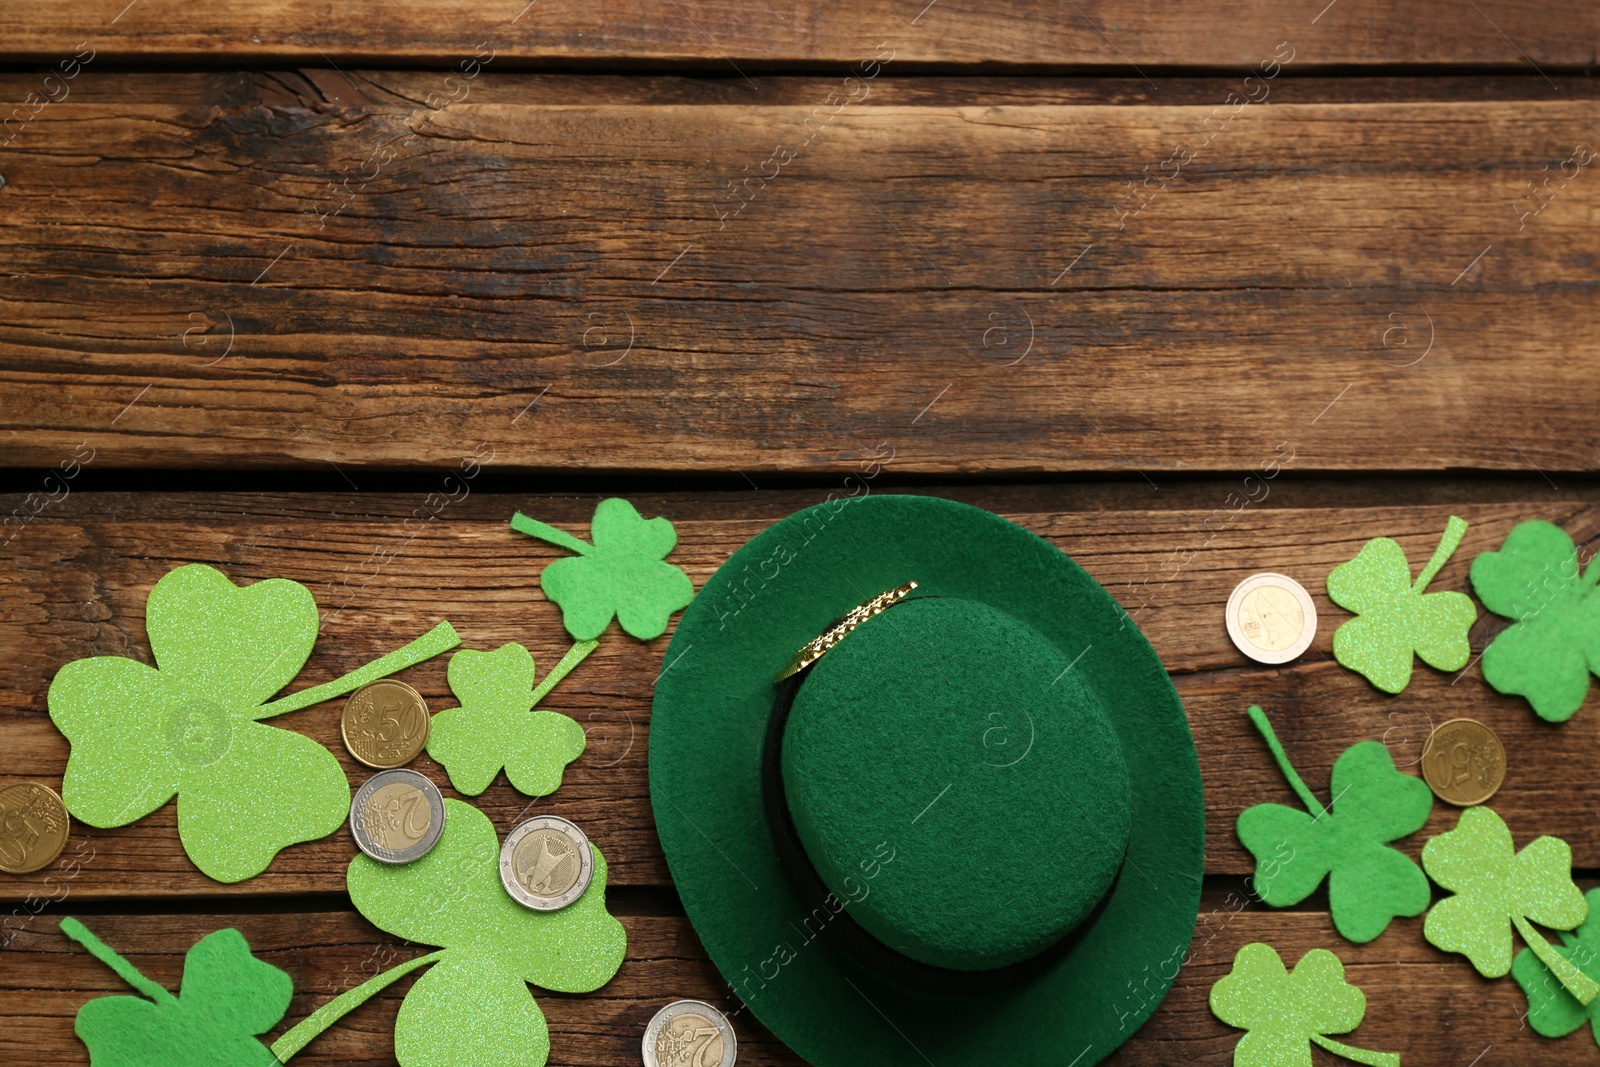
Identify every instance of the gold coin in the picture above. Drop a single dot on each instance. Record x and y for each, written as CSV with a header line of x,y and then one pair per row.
x,y
385,724
1463,762
33,827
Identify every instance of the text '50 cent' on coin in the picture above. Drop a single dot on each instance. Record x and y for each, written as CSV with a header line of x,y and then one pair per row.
x,y
1463,762
688,1033
33,827
1271,618
385,724
397,816
545,863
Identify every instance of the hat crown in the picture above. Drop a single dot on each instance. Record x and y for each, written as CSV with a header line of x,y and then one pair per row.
x,y
956,784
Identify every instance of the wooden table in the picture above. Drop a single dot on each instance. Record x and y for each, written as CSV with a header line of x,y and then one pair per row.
x,y
328,291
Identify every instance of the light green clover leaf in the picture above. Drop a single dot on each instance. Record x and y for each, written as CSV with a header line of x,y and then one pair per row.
x,y
1549,651
1395,617
624,573
496,727
1496,887
188,727
227,997
1285,1012
473,1009
1369,883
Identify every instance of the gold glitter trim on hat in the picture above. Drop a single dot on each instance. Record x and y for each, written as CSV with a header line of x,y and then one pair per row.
x,y
817,647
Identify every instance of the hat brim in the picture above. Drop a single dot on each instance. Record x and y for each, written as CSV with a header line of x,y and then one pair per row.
x,y
708,723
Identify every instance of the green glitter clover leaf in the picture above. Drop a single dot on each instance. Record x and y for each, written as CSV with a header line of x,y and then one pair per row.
x,y
473,1008
1394,617
1553,645
1369,883
1496,887
623,574
189,726
1552,1011
1286,1011
496,726
227,997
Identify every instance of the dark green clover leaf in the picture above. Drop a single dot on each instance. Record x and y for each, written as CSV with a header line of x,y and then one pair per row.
x,y
190,726
1552,1011
473,1008
1395,617
1496,887
624,573
1549,651
1369,883
227,997
1286,1012
496,726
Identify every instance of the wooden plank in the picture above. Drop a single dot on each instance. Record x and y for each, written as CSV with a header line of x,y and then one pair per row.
x,y
726,37
1428,1006
191,288
81,580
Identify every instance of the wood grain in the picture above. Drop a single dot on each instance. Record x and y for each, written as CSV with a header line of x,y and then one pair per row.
x,y
731,38
190,288
82,572
1428,1006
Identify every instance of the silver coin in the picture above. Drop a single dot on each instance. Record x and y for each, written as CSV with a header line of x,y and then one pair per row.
x,y
1271,618
546,863
689,1033
397,816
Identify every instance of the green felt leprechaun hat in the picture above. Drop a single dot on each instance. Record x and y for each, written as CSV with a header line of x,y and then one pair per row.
x,y
965,825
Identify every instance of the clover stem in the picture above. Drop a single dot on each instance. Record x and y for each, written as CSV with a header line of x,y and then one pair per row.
x,y
534,528
108,956
1580,985
1591,575
1454,531
1358,1055
441,638
575,655
1303,791
301,1034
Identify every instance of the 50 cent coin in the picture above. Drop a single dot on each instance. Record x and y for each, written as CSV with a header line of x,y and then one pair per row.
x,y
385,724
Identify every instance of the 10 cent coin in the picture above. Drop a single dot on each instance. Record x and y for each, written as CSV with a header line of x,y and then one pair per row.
x,y
546,863
1271,618
33,827
688,1033
385,724
397,816
1463,762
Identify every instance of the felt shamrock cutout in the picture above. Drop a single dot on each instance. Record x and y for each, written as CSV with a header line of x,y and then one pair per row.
x,y
1554,644
1394,617
1496,887
623,574
495,725
1369,883
228,996
190,726
1286,1011
472,1008
1552,1011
